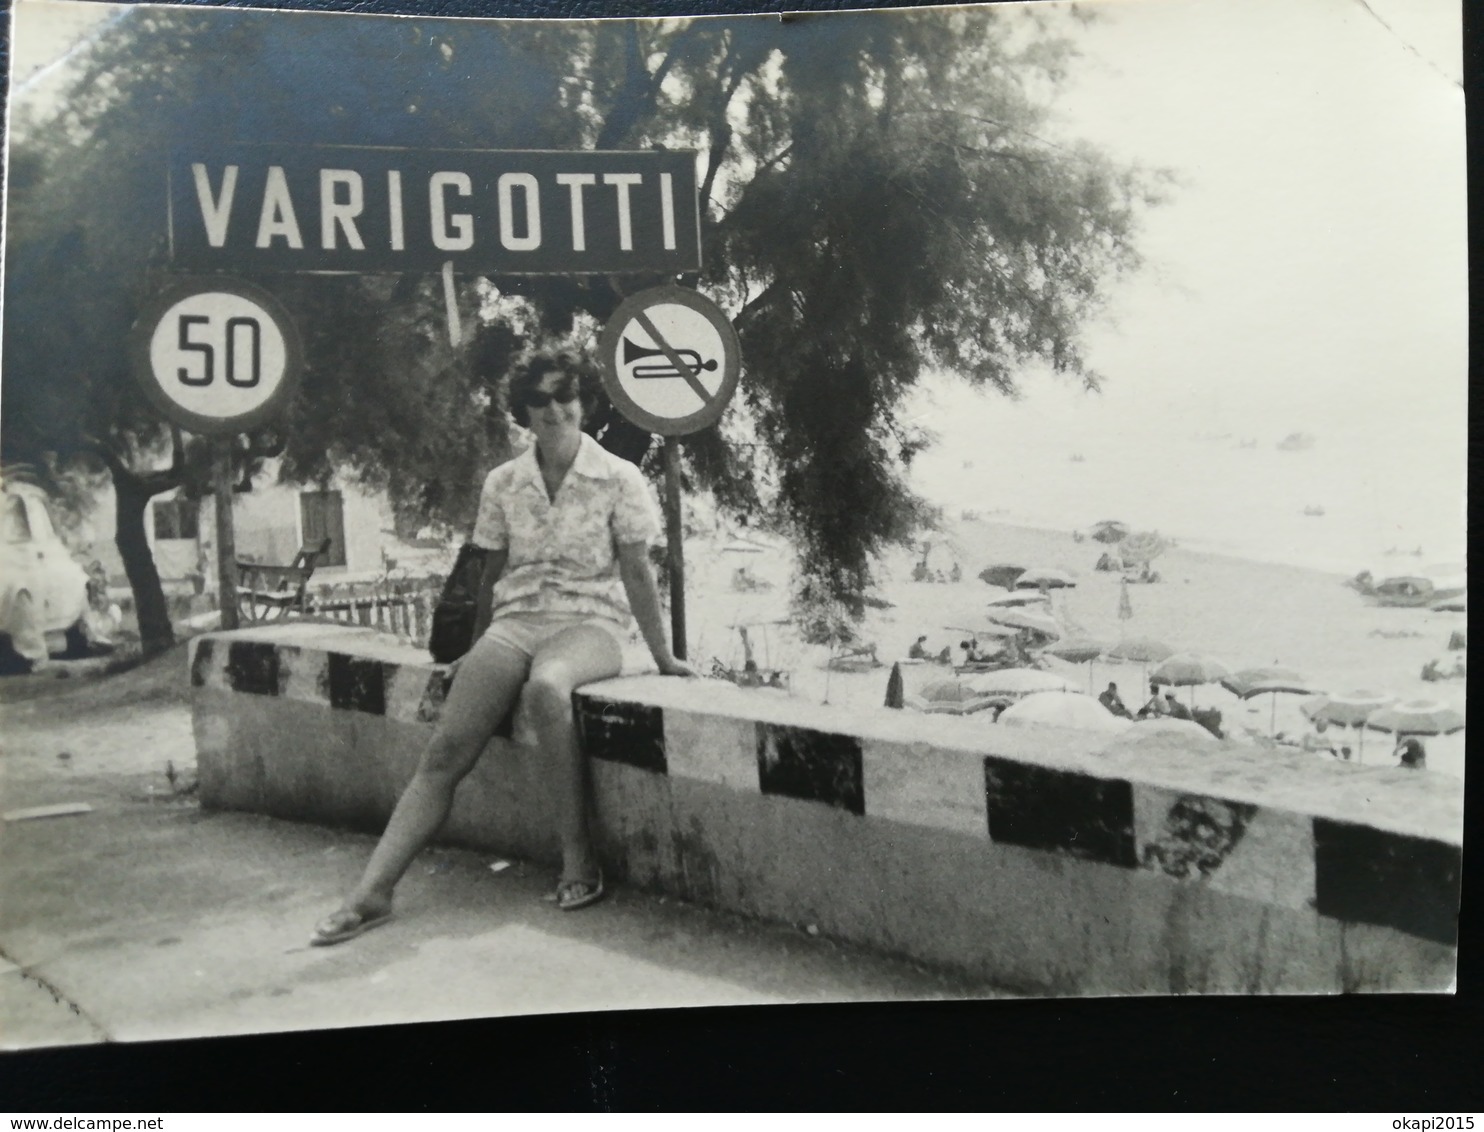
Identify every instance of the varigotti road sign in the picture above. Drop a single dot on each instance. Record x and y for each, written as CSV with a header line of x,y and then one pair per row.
x,y
217,355
369,209
670,360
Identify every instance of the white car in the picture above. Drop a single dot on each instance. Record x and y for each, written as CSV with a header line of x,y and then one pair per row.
x,y
43,592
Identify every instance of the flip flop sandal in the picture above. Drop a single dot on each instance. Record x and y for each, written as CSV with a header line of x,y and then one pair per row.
x,y
574,894
342,926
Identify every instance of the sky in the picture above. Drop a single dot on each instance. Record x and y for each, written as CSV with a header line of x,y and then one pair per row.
x,y
1309,271
1312,262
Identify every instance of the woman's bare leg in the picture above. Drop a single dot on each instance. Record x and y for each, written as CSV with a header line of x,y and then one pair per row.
x,y
574,657
484,689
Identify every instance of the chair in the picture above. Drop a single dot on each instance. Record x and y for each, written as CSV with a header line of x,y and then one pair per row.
x,y
268,593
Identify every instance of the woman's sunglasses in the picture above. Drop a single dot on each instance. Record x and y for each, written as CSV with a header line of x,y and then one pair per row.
x,y
566,393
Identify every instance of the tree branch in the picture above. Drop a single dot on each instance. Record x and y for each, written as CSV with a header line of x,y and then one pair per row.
x,y
760,300
721,131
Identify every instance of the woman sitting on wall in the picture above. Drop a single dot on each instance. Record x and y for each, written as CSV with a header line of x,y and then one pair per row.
x,y
566,526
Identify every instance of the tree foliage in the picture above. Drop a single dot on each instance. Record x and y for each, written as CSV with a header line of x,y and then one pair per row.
x,y
880,197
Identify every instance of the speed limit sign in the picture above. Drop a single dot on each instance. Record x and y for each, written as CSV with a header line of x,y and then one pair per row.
x,y
217,355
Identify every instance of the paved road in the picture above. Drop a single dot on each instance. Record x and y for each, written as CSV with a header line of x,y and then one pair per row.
x,y
148,918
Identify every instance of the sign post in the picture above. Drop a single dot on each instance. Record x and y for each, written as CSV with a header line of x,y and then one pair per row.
x,y
675,545
670,364
218,356
226,538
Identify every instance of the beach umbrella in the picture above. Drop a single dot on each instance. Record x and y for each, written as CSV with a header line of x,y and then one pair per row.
x,y
1242,684
1268,681
946,691
1032,619
1350,709
1143,546
1014,600
952,697
1142,650
1416,717
1048,577
1063,709
1187,669
1077,650
1016,682
1002,574
895,689
1109,531
993,630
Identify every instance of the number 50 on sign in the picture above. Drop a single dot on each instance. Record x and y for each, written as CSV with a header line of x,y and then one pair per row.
x,y
217,355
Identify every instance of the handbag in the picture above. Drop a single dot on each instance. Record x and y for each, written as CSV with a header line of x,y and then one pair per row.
x,y
452,631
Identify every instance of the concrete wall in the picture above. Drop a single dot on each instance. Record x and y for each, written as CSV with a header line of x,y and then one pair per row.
x,y
1045,861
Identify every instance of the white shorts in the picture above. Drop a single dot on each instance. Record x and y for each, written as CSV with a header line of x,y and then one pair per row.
x,y
526,632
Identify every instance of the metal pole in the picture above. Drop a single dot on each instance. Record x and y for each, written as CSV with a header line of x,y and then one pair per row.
x,y
226,542
673,538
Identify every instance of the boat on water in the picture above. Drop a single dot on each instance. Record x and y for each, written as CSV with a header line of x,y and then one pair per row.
x,y
1410,591
1314,510
1296,442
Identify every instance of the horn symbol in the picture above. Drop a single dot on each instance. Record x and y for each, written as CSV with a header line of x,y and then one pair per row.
x,y
633,353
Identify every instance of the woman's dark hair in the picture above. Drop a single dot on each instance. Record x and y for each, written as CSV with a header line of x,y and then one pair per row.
x,y
528,375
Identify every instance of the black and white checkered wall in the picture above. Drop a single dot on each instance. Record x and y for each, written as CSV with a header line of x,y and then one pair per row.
x,y
1351,872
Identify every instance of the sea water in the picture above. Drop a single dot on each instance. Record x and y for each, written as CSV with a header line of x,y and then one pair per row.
x,y
1392,488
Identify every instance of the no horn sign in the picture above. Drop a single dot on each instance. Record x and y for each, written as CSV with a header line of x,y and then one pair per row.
x,y
670,360
367,209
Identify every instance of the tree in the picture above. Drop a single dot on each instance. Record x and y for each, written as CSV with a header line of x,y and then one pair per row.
x,y
879,198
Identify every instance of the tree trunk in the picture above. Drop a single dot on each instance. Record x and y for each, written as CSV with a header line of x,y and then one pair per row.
x,y
132,495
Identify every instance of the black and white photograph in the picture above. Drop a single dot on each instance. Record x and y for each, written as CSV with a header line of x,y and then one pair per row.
x,y
513,517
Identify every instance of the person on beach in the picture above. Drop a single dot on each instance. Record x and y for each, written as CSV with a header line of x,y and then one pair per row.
x,y
1156,706
1175,709
566,526
1317,742
919,650
1111,700
1411,754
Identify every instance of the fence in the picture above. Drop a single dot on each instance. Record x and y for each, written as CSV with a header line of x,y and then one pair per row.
x,y
401,607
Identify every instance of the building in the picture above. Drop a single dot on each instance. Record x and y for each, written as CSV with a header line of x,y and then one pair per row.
x,y
270,524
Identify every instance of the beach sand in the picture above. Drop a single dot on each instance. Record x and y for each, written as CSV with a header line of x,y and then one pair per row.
x,y
1243,613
